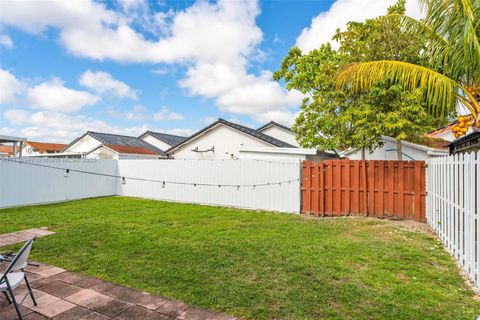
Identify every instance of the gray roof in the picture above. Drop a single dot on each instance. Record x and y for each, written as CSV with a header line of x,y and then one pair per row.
x,y
108,138
252,132
170,139
273,123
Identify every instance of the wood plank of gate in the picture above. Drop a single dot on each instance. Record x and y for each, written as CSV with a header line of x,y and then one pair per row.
x,y
394,189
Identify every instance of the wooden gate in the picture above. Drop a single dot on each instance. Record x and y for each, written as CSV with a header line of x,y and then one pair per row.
x,y
384,189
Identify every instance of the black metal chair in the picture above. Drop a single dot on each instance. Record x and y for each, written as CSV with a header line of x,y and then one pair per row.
x,y
14,275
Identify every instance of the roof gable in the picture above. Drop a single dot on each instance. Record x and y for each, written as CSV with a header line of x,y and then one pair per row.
x,y
119,140
169,139
248,131
273,124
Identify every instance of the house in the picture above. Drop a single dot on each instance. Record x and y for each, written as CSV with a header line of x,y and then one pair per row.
x,y
11,146
221,140
411,151
466,144
281,132
113,145
31,148
446,132
282,154
6,151
115,151
162,141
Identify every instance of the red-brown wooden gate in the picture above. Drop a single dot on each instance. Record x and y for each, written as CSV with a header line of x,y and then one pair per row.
x,y
384,189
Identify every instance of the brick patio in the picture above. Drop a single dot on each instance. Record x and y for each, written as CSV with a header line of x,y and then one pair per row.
x,y
66,295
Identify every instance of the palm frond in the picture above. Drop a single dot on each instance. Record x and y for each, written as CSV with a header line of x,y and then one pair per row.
x,y
442,93
458,22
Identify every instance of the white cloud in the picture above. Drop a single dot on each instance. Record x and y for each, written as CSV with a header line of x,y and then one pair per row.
x,y
284,117
103,83
324,26
138,112
165,114
6,41
52,125
215,41
53,95
10,87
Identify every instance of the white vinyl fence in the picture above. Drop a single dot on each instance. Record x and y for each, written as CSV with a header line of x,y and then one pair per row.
x,y
255,184
453,207
38,181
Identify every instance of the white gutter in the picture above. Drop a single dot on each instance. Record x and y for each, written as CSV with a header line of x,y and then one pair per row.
x,y
277,150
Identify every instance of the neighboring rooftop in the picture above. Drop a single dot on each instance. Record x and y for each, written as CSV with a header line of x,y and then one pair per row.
x,y
44,147
273,123
6,150
437,143
130,150
169,139
252,132
119,140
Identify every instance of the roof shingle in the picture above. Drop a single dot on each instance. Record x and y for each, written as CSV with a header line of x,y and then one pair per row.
x,y
169,139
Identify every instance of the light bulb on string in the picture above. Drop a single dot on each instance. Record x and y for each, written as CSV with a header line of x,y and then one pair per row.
x,y
66,173
163,184
124,181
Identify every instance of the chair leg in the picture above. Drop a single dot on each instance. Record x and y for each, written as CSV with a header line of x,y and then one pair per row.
x,y
17,307
8,298
30,291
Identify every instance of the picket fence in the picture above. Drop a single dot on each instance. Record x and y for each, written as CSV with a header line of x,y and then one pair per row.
x,y
453,207
253,184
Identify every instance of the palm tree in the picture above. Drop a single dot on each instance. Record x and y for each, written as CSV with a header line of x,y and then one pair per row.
x,y
452,28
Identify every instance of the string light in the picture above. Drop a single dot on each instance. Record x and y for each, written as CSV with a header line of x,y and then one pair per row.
x,y
163,182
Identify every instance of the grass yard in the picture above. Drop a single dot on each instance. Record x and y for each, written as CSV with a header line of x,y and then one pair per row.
x,y
254,265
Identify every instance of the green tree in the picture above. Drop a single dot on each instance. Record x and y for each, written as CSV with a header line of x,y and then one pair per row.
x,y
452,76
331,119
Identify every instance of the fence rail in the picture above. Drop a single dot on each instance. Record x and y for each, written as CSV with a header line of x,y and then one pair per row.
x,y
453,207
393,189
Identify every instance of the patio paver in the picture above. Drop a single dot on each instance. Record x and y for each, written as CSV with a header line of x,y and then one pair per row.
x,y
7,239
65,295
62,295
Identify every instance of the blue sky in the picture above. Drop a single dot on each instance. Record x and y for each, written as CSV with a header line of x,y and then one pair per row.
x,y
174,66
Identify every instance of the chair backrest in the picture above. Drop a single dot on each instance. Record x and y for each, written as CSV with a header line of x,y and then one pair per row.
x,y
20,260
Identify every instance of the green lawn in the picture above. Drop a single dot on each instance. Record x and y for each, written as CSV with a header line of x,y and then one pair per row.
x,y
254,265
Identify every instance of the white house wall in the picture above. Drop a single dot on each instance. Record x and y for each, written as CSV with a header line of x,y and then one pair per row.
x,y
389,152
281,134
156,142
85,144
102,153
224,139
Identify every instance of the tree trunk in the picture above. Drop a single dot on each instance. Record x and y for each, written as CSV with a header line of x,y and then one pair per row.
x,y
399,150
363,154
